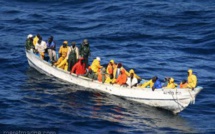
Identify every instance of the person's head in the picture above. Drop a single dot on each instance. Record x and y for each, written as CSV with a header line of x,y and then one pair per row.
x,y
82,61
50,39
111,62
98,58
154,78
40,40
166,79
29,36
131,73
184,81
122,71
171,80
189,72
85,42
119,65
65,43
38,36
73,44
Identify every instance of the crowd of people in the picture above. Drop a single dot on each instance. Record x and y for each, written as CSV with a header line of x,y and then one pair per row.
x,y
75,60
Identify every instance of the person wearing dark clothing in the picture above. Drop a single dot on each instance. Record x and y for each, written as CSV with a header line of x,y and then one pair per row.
x,y
73,56
85,51
29,42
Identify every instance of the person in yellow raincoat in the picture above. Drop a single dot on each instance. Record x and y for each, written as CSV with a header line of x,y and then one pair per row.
x,y
36,38
131,80
95,66
191,79
171,84
62,54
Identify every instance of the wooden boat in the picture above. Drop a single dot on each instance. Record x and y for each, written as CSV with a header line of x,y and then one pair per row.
x,y
174,100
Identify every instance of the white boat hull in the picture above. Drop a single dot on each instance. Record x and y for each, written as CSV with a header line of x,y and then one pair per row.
x,y
174,100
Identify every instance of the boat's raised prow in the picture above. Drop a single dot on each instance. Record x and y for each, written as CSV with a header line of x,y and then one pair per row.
x,y
174,100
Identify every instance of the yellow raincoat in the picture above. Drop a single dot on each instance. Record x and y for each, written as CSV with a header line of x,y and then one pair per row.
x,y
191,79
171,84
95,66
35,40
62,63
149,83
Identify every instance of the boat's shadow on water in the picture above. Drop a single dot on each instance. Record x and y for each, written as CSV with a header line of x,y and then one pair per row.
x,y
93,105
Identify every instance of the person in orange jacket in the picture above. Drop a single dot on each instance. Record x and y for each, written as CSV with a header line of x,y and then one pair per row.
x,y
79,67
121,80
110,68
183,84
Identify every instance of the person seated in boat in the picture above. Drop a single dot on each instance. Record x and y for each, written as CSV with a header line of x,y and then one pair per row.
x,y
171,84
95,66
29,42
122,78
73,56
102,75
191,79
79,67
51,46
157,83
117,70
151,83
62,55
90,74
109,79
183,84
36,38
131,80
41,47
111,66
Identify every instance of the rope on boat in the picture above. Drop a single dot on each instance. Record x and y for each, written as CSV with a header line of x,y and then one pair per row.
x,y
179,104
193,98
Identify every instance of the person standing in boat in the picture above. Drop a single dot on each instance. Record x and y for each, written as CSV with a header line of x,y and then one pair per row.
x,y
73,56
110,68
41,47
36,38
85,51
29,42
131,80
51,46
95,66
191,79
62,54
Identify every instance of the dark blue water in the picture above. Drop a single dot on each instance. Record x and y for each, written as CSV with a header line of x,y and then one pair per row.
x,y
163,38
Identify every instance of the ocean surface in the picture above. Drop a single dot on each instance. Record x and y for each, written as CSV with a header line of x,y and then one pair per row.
x,y
154,37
